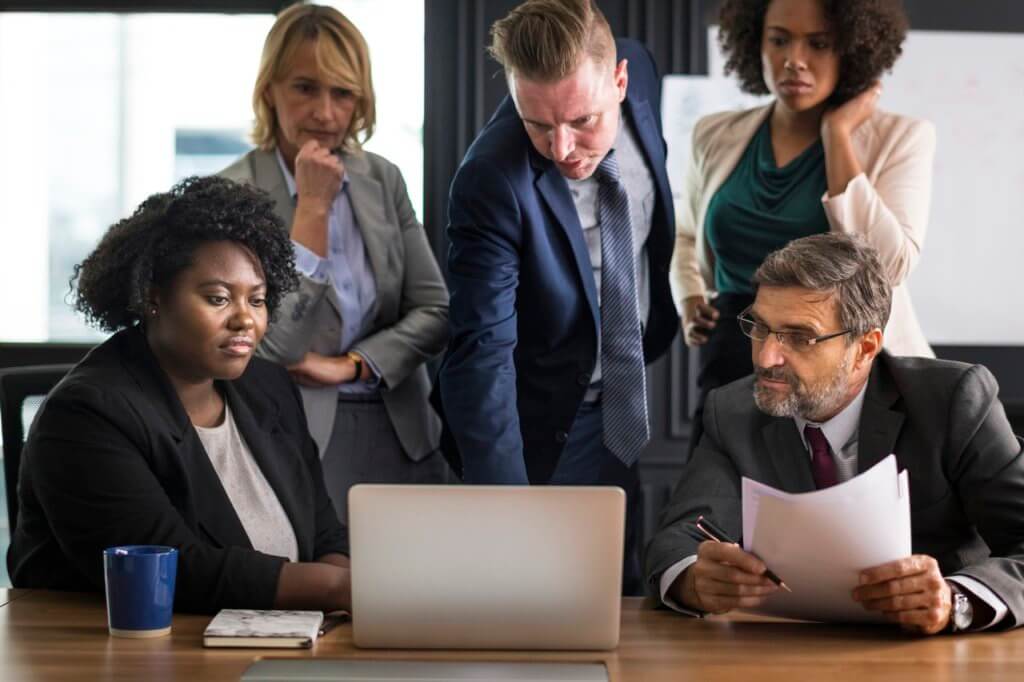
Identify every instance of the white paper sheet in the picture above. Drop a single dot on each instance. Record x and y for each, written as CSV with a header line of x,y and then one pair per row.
x,y
818,542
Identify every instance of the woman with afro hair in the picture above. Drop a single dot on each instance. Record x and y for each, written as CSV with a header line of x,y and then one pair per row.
x,y
820,157
171,432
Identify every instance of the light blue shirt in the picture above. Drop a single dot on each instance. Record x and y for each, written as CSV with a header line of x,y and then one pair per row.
x,y
348,270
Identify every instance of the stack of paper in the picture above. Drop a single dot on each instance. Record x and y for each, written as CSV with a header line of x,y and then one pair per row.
x,y
818,542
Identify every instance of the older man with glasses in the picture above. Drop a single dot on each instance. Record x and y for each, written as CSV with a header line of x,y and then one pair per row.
x,y
826,403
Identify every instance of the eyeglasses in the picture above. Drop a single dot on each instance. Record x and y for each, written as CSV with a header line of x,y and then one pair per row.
x,y
796,341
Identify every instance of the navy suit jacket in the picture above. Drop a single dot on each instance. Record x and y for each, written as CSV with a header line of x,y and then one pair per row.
x,y
524,313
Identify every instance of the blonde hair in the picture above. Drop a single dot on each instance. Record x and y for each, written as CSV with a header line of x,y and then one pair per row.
x,y
341,56
545,40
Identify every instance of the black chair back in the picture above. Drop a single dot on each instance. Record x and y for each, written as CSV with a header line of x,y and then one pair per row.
x,y
17,384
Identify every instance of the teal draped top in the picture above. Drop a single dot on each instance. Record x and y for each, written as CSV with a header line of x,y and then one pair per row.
x,y
761,207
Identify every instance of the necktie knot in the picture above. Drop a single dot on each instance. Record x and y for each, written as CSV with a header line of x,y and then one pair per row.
x,y
823,464
608,170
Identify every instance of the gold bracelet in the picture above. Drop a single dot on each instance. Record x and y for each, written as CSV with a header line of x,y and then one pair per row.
x,y
358,362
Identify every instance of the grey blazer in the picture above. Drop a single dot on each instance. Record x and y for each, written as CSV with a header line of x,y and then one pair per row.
x,y
946,426
411,323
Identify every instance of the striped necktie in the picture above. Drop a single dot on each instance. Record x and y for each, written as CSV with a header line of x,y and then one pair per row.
x,y
624,396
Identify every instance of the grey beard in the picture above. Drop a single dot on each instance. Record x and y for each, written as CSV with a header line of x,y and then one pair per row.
x,y
806,403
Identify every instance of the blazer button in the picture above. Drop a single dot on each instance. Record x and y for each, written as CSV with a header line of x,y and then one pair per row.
x,y
583,379
561,437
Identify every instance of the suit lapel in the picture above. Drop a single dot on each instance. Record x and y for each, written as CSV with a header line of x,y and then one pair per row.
x,y
366,195
266,172
555,192
880,423
788,455
724,153
213,510
258,423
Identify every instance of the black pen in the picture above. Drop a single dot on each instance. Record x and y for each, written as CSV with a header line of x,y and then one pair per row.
x,y
713,532
330,622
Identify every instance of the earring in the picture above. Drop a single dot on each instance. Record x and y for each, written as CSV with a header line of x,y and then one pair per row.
x,y
152,311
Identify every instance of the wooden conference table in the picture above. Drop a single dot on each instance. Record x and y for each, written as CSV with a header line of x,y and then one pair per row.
x,y
53,635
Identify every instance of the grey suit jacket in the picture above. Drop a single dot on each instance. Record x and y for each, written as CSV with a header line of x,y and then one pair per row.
x,y
941,419
411,324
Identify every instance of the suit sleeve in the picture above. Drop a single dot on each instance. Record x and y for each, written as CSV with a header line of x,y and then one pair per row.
x,y
421,330
987,469
288,336
709,485
478,377
685,276
97,489
892,213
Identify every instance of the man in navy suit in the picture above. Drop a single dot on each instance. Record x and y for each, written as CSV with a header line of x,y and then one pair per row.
x,y
561,231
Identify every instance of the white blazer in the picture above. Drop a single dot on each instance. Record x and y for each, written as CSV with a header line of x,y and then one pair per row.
x,y
887,205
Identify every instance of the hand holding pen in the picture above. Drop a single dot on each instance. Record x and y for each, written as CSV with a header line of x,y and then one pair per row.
x,y
708,529
723,577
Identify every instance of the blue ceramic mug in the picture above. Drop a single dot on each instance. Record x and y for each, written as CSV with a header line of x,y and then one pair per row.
x,y
140,589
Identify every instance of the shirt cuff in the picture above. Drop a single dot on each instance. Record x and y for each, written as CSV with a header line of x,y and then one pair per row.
x,y
374,381
668,577
986,595
308,263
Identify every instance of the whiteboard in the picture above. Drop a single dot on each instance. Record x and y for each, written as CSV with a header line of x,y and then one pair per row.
x,y
971,86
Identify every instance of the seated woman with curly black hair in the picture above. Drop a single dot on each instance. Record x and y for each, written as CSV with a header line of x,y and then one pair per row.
x,y
820,157
171,432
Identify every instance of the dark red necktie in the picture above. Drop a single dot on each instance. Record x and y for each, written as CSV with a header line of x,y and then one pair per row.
x,y
823,465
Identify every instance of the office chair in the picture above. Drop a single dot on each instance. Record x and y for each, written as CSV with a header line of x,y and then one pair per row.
x,y
17,384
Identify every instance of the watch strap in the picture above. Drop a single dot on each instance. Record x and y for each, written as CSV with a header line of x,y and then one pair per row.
x,y
358,362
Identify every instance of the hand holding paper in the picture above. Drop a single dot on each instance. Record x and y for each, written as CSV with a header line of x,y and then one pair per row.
x,y
910,591
822,540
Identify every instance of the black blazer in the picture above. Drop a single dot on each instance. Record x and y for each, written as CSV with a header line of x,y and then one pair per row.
x,y
112,459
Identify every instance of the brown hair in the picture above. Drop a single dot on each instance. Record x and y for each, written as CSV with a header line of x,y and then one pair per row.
x,y
545,40
341,55
836,264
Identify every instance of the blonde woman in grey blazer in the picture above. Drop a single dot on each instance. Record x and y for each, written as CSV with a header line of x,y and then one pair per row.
x,y
372,307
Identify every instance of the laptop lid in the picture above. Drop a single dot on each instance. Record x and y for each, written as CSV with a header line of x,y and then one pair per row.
x,y
495,567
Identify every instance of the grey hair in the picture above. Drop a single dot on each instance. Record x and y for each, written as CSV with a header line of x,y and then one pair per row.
x,y
839,265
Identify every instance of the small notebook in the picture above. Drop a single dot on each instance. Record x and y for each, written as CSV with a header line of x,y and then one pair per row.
x,y
263,629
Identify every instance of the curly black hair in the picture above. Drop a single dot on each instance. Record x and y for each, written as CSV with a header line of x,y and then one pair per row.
x,y
868,38
159,240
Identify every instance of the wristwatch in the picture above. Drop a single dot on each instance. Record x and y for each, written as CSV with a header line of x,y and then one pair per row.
x,y
358,362
962,614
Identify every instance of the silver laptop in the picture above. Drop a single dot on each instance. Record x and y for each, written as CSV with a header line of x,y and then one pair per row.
x,y
486,567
